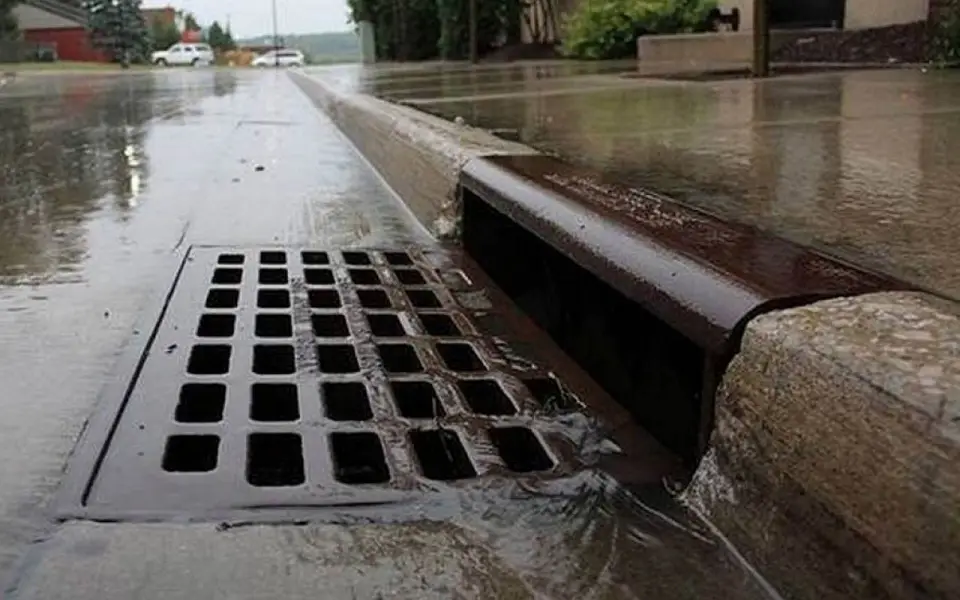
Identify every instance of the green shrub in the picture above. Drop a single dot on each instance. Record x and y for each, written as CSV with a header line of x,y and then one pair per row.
x,y
945,42
609,28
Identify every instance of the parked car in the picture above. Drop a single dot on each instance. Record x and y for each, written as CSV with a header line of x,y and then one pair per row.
x,y
280,58
183,54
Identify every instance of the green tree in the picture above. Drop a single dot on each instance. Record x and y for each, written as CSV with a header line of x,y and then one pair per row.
x,y
220,39
228,41
163,35
8,22
118,27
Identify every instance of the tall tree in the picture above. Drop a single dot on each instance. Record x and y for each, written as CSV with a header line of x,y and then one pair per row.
x,y
8,22
118,27
163,34
216,37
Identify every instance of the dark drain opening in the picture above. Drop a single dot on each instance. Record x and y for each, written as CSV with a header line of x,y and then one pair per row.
x,y
273,360
486,397
273,258
385,325
230,259
201,403
337,358
274,459
373,299
423,299
191,453
273,299
651,369
318,276
346,401
441,455
358,458
216,325
409,276
315,258
273,276
209,359
329,326
438,324
222,298
520,449
548,394
364,277
416,399
399,358
398,258
356,258
460,357
274,402
227,276
323,299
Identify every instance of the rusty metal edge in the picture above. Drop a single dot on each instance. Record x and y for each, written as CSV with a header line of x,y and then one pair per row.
x,y
706,301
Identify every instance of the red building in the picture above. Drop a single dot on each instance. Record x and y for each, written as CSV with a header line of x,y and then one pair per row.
x,y
59,24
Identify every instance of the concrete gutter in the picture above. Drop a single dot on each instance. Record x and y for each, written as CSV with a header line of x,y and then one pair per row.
x,y
418,155
833,464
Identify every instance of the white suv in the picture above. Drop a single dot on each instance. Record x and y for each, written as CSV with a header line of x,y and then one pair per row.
x,y
183,54
279,58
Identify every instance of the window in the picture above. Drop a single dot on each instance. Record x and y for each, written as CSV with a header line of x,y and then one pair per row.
x,y
175,49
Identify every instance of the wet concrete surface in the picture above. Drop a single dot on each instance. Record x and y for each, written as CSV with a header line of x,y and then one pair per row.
x,y
104,183
862,165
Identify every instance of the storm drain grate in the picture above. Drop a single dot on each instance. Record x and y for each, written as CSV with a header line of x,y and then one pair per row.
x,y
290,377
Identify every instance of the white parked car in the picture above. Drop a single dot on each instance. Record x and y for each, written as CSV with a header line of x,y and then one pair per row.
x,y
282,58
183,54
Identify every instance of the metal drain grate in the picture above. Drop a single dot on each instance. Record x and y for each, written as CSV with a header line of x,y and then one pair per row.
x,y
291,377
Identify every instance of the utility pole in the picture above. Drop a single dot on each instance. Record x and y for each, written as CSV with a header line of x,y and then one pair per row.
x,y
473,31
276,37
761,38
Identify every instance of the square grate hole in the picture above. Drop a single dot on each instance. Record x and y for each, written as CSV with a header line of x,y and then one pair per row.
x,y
439,324
267,325
364,277
274,459
230,259
273,360
347,401
273,276
273,299
209,359
398,258
374,299
416,399
273,257
356,258
324,299
227,276
315,258
358,458
318,276
201,403
409,277
337,358
486,397
399,358
520,449
548,394
423,299
460,357
191,453
385,325
216,325
274,402
222,298
441,455
329,325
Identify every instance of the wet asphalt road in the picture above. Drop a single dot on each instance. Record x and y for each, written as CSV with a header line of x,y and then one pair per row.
x,y
104,181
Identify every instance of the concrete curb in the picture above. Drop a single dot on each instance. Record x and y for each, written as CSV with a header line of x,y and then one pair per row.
x,y
833,465
418,155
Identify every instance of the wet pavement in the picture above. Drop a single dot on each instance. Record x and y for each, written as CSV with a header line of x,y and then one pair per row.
x,y
105,181
862,165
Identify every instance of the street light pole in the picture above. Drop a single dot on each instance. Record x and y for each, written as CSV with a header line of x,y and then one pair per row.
x,y
276,37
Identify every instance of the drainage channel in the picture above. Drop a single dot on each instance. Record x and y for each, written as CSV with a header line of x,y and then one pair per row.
x,y
295,378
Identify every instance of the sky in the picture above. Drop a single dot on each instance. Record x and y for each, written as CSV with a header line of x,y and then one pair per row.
x,y
250,18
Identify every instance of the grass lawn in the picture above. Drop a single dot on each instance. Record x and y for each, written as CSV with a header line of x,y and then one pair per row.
x,y
66,65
